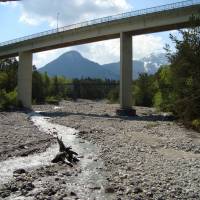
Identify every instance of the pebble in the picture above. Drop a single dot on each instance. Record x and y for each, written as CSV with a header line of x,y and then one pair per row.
x,y
134,164
138,190
73,194
109,190
20,171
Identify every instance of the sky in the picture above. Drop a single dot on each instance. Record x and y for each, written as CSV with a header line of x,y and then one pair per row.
x,y
18,19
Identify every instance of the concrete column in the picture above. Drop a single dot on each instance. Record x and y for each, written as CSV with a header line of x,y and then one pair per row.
x,y
25,79
125,71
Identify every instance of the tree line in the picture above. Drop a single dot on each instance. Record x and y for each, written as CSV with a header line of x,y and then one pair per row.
x,y
176,87
46,89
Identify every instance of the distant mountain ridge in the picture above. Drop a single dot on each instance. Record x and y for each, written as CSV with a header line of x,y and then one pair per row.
x,y
73,65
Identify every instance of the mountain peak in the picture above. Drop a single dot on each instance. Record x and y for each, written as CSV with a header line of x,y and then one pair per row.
x,y
72,54
73,65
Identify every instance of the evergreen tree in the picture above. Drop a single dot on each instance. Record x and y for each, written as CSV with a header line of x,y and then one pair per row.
x,y
185,70
143,90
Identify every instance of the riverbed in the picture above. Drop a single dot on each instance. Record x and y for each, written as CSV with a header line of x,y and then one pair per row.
x,y
148,156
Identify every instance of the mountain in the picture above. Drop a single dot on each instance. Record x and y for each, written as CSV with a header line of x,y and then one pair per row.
x,y
73,65
149,65
138,68
154,61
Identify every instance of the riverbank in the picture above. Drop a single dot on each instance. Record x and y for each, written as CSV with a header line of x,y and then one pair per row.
x,y
146,157
143,157
20,137
36,177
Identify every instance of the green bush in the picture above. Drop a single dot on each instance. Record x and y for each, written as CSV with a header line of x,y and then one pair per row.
x,y
113,95
196,124
158,100
52,100
143,90
8,100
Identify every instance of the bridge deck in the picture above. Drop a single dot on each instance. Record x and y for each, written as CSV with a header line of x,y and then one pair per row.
x,y
162,18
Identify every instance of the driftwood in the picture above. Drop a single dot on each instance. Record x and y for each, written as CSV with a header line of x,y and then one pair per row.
x,y
65,155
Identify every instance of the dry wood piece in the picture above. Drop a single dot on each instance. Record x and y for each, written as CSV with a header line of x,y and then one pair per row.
x,y
65,155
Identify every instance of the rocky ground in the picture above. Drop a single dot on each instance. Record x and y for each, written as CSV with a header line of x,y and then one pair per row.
x,y
145,157
19,137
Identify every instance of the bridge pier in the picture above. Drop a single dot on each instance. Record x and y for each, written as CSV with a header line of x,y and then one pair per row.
x,y
126,75
25,79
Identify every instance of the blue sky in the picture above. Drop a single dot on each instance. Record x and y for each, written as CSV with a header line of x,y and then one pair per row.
x,y
33,16
140,4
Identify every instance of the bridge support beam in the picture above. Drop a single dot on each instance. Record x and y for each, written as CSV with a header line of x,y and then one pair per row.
x,y
25,79
126,75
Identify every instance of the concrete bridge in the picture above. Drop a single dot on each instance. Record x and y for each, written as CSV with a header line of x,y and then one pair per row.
x,y
123,26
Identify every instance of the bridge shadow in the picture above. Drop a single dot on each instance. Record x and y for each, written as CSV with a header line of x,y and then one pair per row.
x,y
150,117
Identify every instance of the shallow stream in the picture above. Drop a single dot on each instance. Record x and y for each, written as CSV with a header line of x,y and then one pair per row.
x,y
89,163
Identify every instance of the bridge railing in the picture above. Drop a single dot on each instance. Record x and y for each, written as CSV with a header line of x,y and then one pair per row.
x,y
107,19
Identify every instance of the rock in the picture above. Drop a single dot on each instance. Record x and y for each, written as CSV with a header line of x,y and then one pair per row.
x,y
82,132
49,173
81,156
109,190
5,194
160,198
89,157
138,190
20,171
149,194
25,154
128,191
50,191
24,192
120,193
14,188
28,186
94,187
73,194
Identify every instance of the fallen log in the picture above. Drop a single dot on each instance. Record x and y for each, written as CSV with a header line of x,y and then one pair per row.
x,y
65,155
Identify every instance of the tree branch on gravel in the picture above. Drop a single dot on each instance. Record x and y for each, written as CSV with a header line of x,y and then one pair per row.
x,y
65,155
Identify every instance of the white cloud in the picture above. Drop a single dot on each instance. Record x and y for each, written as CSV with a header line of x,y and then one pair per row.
x,y
69,11
35,12
173,32
101,52
107,51
145,45
28,20
9,4
42,58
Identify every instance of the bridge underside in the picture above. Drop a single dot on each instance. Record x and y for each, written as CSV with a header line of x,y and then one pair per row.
x,y
124,28
25,74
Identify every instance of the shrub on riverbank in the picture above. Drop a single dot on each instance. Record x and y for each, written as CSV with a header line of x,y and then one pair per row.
x,y
8,100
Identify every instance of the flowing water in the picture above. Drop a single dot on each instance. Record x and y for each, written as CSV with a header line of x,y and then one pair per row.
x,y
90,174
